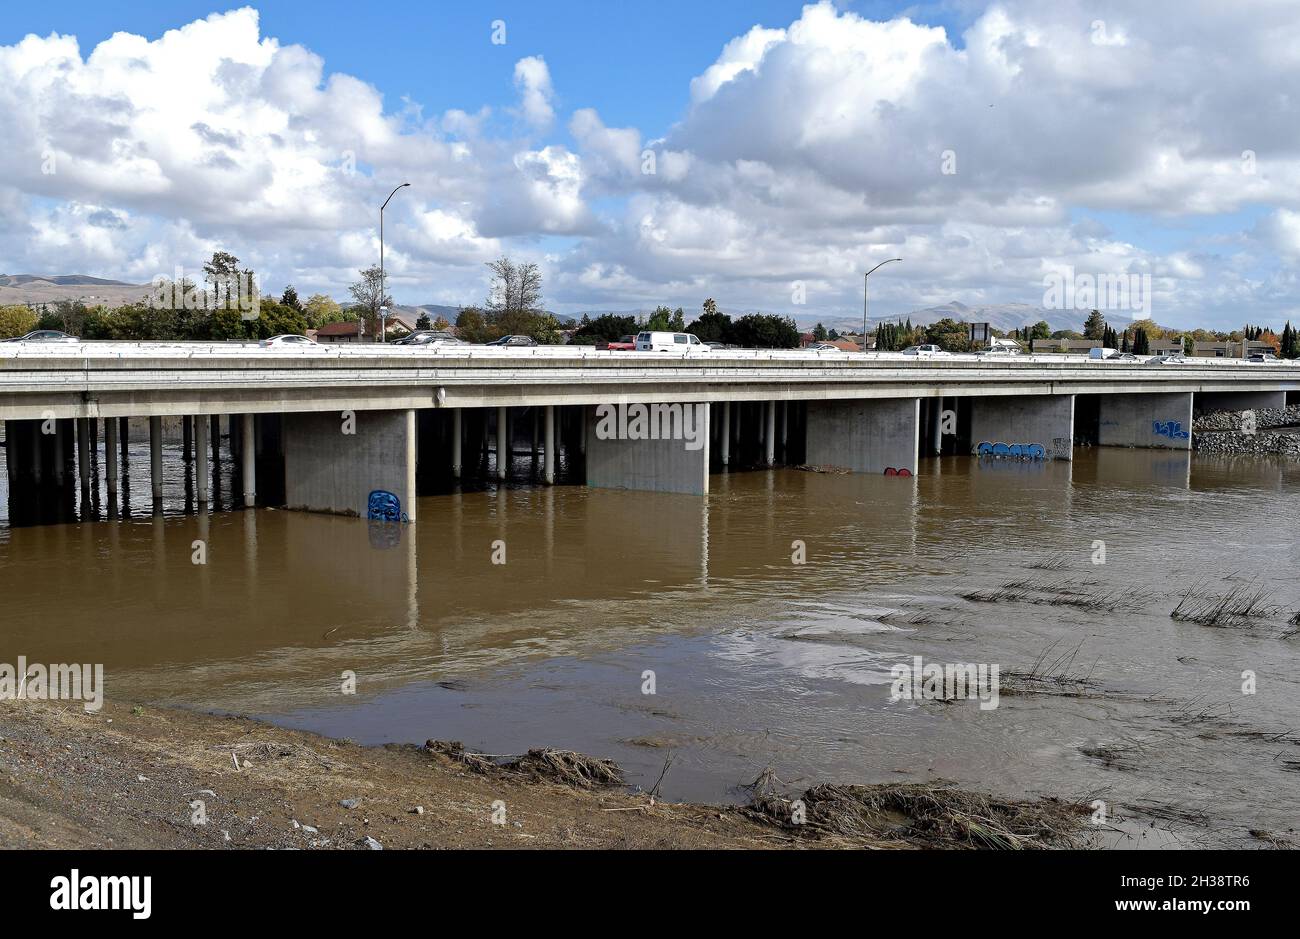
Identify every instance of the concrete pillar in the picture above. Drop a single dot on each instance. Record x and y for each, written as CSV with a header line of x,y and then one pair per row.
x,y
83,451
503,457
785,427
369,473
155,457
60,455
248,454
38,441
880,436
678,461
201,472
936,426
110,454
548,469
457,433
1036,427
582,430
215,430
725,436
1161,421
769,434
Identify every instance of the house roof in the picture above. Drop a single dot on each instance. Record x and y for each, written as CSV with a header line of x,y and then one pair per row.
x,y
339,329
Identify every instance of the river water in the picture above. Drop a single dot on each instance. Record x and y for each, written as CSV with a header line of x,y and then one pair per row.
x,y
756,660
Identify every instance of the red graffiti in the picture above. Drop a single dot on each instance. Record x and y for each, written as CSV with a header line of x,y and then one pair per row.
x,y
890,471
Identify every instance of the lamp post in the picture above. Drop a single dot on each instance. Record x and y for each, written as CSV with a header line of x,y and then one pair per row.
x,y
864,299
383,283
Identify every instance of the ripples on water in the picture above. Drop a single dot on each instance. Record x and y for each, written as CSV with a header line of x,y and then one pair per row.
x,y
757,661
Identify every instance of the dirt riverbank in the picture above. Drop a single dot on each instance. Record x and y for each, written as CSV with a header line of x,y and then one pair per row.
x,y
139,777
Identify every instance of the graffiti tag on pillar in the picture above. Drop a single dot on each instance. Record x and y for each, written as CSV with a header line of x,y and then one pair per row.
x,y
1024,451
1171,429
383,506
891,471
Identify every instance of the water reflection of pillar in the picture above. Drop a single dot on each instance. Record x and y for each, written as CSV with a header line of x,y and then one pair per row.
x,y
205,526
159,559
60,460
250,555
110,464
457,524
704,541
548,516
412,577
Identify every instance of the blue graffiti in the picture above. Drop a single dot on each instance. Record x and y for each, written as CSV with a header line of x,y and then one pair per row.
x,y
1171,429
383,506
1026,451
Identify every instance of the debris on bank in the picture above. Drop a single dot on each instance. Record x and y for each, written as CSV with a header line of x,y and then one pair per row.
x,y
926,815
542,763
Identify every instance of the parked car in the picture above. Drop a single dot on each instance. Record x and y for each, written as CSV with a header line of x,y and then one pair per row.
x,y
999,351
1263,357
669,342
514,341
1126,357
286,341
924,351
623,344
429,337
45,335
1172,358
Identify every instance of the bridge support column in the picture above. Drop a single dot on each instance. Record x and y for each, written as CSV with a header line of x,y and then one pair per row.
x,y
725,436
936,426
110,455
874,436
60,451
155,458
457,433
326,470
1207,401
1029,426
83,452
248,458
503,455
1161,421
201,458
769,433
548,470
649,447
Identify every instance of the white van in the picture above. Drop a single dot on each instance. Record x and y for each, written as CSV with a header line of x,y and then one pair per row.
x,y
669,342
1099,352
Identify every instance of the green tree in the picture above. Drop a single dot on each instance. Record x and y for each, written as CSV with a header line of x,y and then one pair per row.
x,y
819,333
949,335
370,296
608,327
16,320
1094,327
320,310
423,322
711,326
1141,344
472,325
514,303
290,298
765,331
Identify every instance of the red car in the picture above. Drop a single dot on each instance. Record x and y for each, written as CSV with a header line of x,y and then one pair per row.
x,y
625,344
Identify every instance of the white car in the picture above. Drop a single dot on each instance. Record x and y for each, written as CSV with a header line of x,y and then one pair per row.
x,y
925,351
45,335
286,340
669,342
1172,358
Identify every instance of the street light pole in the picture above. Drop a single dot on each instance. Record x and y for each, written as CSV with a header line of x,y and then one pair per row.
x,y
383,283
864,299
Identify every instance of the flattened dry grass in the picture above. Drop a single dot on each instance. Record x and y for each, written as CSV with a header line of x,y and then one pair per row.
x,y
566,767
925,815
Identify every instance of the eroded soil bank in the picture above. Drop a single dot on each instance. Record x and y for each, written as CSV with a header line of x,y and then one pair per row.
x,y
138,777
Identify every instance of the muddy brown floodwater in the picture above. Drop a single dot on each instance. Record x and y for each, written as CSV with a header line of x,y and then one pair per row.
x,y
757,661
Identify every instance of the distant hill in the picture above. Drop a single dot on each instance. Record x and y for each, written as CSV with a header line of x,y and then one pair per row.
x,y
1001,316
50,289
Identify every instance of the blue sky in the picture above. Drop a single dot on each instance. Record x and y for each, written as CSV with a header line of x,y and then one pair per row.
x,y
1091,137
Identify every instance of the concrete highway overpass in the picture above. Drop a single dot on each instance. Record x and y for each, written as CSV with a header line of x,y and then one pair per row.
x,y
345,423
